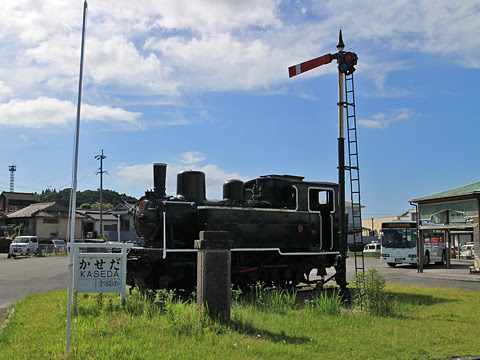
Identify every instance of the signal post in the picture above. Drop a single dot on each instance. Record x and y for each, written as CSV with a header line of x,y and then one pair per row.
x,y
346,62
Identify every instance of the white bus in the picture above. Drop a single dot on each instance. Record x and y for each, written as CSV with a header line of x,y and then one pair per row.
x,y
399,244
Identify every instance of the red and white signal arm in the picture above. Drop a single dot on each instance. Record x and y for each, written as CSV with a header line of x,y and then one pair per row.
x,y
309,65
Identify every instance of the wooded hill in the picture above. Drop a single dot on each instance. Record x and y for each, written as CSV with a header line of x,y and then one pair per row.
x,y
84,197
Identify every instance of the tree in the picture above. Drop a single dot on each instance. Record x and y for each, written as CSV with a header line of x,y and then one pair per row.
x,y
88,196
19,228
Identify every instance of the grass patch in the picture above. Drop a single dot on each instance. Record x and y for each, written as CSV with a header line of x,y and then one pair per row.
x,y
428,323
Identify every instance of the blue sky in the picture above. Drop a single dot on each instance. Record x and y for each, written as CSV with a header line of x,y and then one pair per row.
x,y
204,85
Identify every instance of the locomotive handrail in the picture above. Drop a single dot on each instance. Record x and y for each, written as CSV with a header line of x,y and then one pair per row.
x,y
288,253
164,235
177,202
250,209
260,249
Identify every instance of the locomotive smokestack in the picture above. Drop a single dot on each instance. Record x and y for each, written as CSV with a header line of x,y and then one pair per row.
x,y
159,178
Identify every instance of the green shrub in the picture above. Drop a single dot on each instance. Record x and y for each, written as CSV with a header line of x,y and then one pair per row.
x,y
370,294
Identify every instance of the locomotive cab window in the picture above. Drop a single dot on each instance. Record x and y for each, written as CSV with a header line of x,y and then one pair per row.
x,y
320,199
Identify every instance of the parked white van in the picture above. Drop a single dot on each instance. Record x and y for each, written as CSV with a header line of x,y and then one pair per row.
x,y
375,247
24,245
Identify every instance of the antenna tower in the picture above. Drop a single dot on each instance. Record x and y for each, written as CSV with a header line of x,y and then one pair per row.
x,y
12,169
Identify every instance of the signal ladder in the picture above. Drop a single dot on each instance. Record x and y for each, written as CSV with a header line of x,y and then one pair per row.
x,y
356,228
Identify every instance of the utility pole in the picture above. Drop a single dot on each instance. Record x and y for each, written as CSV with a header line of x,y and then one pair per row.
x,y
100,171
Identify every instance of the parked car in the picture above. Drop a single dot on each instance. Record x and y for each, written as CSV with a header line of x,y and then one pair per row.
x,y
24,245
467,251
374,247
5,244
58,246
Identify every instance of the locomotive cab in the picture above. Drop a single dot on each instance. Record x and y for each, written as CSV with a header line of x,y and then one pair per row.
x,y
276,191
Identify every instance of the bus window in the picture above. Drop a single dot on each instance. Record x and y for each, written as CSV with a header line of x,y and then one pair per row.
x,y
399,238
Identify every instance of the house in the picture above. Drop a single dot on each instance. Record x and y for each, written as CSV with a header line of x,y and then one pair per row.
x,y
92,223
13,201
125,210
457,212
119,218
45,220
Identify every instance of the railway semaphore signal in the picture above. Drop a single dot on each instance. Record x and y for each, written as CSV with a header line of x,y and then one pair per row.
x,y
346,62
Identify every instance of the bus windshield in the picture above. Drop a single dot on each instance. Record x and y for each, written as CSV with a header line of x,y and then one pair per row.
x,y
399,238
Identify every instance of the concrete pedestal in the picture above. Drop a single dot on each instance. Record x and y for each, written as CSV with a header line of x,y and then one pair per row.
x,y
214,273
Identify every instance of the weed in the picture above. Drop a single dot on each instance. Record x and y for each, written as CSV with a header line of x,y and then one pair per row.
x,y
326,304
99,300
370,294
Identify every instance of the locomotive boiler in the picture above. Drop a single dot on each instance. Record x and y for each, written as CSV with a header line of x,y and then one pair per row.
x,y
282,228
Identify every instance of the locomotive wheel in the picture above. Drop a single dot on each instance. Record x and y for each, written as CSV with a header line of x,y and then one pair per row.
x,y
250,273
272,271
164,281
288,276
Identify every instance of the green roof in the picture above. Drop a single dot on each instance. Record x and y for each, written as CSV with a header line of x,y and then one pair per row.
x,y
461,190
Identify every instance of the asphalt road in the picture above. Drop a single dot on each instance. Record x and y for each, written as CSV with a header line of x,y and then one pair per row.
x,y
33,275
23,276
458,276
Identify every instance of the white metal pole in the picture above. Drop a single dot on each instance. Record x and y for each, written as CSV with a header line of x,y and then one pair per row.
x,y
73,203
118,228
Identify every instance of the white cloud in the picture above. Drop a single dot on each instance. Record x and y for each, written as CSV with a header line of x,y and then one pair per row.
x,y
142,175
222,61
207,15
5,91
139,175
402,114
31,21
24,139
192,157
39,113
382,120
172,48
376,124
45,112
444,29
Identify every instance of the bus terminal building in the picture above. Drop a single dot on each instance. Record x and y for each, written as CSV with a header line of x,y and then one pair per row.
x,y
457,212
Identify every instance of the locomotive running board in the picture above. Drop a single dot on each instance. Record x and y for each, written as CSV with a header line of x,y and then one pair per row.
x,y
257,249
287,253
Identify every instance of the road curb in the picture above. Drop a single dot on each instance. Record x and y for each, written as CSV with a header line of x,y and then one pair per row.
x,y
7,319
444,276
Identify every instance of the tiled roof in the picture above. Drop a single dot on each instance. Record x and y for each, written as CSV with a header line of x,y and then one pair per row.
x,y
461,190
20,196
49,209
95,214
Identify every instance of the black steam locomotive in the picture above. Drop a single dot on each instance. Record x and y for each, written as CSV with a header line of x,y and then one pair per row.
x,y
282,228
